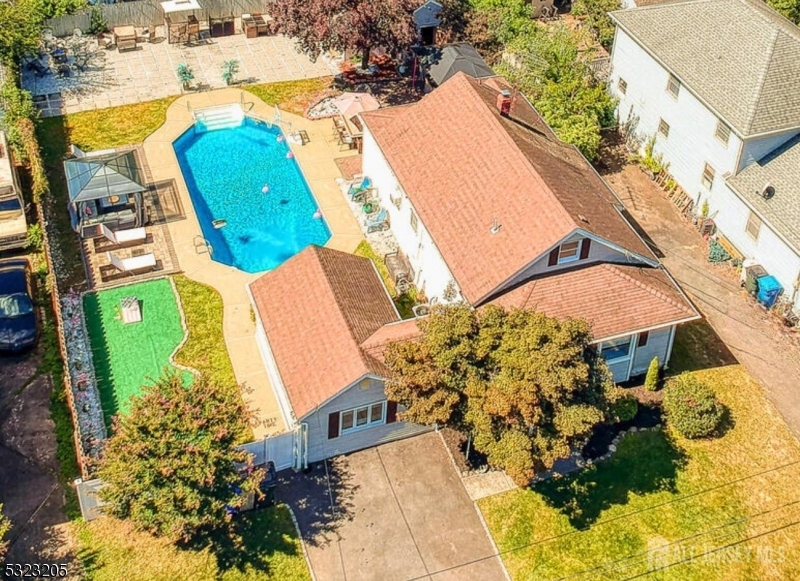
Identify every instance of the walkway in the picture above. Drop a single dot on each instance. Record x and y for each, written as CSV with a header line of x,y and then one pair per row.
x,y
753,336
113,78
396,512
316,161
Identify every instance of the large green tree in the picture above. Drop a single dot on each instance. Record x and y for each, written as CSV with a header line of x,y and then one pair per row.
x,y
597,18
5,526
359,25
789,8
20,27
171,464
527,386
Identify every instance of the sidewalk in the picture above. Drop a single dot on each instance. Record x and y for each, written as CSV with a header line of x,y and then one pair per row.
x,y
753,336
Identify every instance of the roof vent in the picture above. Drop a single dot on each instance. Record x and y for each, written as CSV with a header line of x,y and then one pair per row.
x,y
495,227
767,191
583,218
504,102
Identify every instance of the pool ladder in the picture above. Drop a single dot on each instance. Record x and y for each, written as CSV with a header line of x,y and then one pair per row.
x,y
201,245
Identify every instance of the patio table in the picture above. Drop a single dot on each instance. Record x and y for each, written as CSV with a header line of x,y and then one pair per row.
x,y
126,37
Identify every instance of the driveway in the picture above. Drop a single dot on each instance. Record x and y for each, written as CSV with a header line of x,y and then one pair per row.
x,y
755,338
397,512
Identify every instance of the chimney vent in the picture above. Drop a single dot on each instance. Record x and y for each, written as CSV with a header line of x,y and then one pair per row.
x,y
504,103
495,227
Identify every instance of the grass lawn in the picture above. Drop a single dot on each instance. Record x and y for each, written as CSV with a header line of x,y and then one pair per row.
x,y
292,96
662,499
126,357
110,550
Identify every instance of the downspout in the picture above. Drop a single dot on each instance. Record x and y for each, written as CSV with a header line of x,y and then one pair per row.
x,y
669,346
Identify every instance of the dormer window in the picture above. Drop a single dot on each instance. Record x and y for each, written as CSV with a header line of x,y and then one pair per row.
x,y
569,252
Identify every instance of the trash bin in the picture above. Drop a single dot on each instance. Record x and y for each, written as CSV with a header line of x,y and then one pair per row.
x,y
753,273
268,486
769,289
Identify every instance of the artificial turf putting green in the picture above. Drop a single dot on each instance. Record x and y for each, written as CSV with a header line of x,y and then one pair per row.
x,y
126,357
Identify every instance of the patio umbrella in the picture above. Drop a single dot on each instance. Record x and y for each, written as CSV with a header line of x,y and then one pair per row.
x,y
350,104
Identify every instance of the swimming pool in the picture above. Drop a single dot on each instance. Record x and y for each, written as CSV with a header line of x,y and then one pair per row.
x,y
253,203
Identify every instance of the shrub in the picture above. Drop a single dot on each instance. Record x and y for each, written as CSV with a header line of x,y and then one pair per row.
x,y
35,238
623,408
692,407
97,21
651,380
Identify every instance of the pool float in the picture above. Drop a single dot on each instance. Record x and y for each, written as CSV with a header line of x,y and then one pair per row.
x,y
219,224
281,139
290,155
265,189
318,214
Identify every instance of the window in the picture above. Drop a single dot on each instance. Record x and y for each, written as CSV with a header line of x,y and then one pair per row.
x,y
568,252
708,177
663,128
622,86
363,417
414,221
753,226
643,337
723,132
615,350
673,86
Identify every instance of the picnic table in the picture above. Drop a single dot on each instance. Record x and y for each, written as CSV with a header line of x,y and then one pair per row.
x,y
125,37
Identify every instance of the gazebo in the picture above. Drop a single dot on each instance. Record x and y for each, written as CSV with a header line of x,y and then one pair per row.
x,y
179,30
105,188
455,58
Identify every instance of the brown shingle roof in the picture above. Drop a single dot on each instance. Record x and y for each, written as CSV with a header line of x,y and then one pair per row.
x,y
316,309
616,299
462,166
391,333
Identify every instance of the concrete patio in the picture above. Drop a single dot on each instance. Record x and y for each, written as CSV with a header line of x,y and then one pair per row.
x,y
316,160
113,78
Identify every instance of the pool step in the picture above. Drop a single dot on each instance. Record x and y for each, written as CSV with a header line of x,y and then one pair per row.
x,y
223,117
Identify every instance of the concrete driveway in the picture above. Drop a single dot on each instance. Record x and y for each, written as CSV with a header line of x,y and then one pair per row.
x,y
755,338
397,512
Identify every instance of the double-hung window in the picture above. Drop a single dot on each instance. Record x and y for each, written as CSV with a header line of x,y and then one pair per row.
x,y
673,86
568,252
753,226
362,417
707,179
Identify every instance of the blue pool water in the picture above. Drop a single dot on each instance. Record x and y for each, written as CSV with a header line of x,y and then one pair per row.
x,y
226,171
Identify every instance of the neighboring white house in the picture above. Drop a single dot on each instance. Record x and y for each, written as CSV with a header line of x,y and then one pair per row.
x,y
717,83
13,227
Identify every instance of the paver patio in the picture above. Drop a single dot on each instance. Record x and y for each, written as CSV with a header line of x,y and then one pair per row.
x,y
113,78
316,160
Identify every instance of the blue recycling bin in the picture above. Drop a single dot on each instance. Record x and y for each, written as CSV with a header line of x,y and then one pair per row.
x,y
769,289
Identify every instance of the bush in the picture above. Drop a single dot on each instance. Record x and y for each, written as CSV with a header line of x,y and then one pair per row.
x,y
624,408
35,238
651,380
692,407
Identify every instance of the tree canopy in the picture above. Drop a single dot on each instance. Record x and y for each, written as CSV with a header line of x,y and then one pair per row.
x,y
597,18
359,25
170,464
789,8
5,526
527,386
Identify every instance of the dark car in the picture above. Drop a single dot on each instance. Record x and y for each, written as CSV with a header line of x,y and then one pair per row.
x,y
18,328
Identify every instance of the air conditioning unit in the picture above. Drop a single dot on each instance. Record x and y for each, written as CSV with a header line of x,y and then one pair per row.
x,y
421,310
767,191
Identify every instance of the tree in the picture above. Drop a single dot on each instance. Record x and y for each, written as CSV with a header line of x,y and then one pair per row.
x,y
170,465
527,386
5,526
692,407
789,8
597,18
360,25
20,27
651,379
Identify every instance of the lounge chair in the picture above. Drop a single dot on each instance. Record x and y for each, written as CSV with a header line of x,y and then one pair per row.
x,y
121,237
133,264
379,222
358,189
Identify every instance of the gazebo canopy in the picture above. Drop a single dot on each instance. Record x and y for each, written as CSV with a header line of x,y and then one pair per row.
x,y
454,58
171,6
103,176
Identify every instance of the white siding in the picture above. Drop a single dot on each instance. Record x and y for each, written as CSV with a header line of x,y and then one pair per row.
x,y
320,447
691,142
431,272
730,214
755,149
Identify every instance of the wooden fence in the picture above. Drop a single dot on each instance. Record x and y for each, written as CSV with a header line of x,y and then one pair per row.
x,y
147,13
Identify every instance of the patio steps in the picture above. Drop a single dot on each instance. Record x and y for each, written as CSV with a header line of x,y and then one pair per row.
x,y
224,117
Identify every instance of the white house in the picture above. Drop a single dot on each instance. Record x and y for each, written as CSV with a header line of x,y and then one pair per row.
x,y
717,83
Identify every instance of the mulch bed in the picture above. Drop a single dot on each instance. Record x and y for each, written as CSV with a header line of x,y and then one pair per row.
x,y
349,166
457,444
648,416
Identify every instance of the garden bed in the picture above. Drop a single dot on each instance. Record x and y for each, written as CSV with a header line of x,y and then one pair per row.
x,y
648,416
456,442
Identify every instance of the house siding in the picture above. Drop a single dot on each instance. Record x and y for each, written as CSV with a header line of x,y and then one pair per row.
x,y
755,149
320,447
657,346
431,272
730,215
691,142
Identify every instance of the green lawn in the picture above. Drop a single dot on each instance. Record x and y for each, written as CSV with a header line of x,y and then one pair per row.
x,y
110,549
667,495
126,357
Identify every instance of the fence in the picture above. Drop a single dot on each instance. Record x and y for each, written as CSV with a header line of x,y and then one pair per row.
x,y
278,449
148,13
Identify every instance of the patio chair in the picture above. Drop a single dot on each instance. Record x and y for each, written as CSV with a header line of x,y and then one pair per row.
x,y
357,188
133,264
379,222
39,68
123,237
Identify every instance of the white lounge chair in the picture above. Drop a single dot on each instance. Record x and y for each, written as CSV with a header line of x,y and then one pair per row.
x,y
133,264
121,237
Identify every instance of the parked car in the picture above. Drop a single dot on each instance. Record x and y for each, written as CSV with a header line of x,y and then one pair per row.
x,y
18,325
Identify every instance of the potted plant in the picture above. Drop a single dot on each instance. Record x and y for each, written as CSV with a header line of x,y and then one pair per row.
x,y
185,75
229,70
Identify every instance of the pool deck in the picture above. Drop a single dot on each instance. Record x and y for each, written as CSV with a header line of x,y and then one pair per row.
x,y
316,160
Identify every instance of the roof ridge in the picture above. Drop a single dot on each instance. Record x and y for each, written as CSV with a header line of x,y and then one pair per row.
x,y
761,81
655,292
